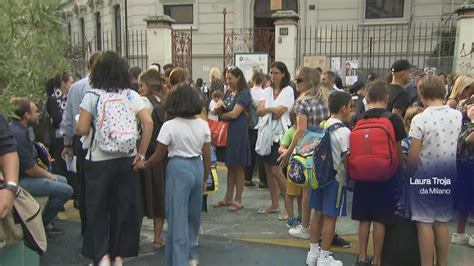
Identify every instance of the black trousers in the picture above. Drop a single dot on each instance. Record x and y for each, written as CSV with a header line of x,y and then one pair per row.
x,y
112,209
81,182
254,160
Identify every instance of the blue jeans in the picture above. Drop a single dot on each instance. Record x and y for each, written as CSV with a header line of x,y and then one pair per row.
x,y
184,181
58,192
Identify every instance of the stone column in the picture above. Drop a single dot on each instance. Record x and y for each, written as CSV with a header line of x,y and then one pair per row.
x,y
464,52
159,40
286,34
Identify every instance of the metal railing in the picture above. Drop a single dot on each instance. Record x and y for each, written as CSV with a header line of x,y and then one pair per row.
x,y
376,47
80,49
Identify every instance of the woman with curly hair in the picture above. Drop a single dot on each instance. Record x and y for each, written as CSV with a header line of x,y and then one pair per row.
x,y
112,200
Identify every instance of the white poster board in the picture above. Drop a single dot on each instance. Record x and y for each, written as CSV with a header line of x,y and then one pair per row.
x,y
248,62
351,68
336,66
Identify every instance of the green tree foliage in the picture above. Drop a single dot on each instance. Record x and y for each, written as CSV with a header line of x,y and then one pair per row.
x,y
32,48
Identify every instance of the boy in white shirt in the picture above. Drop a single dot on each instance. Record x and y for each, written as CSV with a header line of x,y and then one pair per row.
x,y
329,202
431,169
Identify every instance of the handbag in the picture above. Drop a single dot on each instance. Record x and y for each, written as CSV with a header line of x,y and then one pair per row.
x,y
10,232
218,132
24,222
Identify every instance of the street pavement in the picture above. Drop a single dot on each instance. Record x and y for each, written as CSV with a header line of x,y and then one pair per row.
x,y
230,238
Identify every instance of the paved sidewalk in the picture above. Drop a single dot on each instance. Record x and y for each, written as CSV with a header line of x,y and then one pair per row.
x,y
241,238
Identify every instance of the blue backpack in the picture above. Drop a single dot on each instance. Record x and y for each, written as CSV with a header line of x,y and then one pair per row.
x,y
323,162
301,170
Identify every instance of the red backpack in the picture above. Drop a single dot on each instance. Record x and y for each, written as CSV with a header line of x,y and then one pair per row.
x,y
373,150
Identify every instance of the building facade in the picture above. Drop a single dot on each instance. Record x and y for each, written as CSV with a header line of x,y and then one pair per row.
x,y
368,33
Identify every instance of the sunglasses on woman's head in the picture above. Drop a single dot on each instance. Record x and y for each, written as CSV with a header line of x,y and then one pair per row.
x,y
298,80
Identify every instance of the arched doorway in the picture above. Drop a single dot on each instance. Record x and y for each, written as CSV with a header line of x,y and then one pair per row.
x,y
263,10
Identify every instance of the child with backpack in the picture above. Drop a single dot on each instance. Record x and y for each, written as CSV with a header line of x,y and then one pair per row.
x,y
431,168
329,200
373,162
186,139
292,190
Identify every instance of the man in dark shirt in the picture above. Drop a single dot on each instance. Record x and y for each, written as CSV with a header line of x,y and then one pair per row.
x,y
398,98
33,178
9,167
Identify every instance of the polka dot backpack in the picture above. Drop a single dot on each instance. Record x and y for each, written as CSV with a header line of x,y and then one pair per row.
x,y
116,129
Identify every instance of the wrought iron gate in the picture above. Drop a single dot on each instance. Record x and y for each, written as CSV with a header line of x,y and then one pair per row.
x,y
248,40
182,41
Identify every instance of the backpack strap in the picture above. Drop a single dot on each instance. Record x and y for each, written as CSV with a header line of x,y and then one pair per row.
x,y
387,115
92,123
332,128
335,126
157,107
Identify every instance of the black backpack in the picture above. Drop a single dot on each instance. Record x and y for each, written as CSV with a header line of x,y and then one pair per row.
x,y
158,116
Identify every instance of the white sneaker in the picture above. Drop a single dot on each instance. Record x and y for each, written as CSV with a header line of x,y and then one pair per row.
x,y
460,239
193,262
328,261
105,261
312,258
471,241
299,232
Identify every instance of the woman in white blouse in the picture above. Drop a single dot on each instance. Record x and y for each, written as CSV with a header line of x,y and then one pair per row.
x,y
276,100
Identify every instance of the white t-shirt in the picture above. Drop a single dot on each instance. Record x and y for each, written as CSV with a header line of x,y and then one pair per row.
x,y
438,128
89,104
211,114
285,98
184,137
339,145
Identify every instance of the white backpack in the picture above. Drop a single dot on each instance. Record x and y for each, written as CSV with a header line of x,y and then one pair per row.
x,y
116,128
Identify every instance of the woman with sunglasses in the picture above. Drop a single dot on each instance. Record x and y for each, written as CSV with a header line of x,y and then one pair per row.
x,y
311,108
276,100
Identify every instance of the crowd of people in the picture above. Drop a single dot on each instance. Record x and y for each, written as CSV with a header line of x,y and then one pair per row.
x,y
142,147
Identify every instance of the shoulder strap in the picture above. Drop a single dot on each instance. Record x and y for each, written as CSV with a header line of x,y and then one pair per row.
x,y
153,100
157,107
387,115
335,126
92,122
